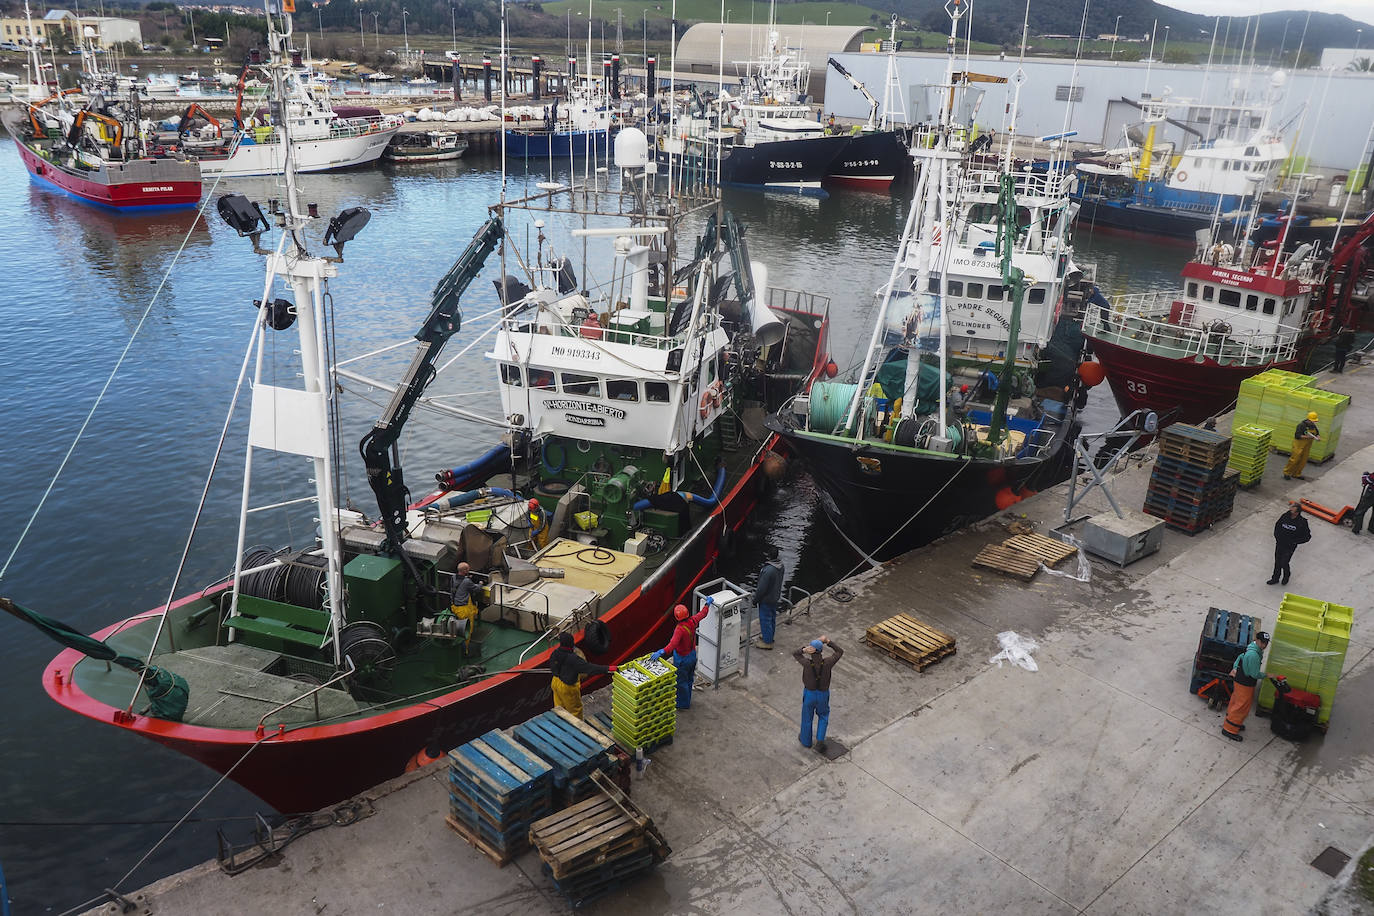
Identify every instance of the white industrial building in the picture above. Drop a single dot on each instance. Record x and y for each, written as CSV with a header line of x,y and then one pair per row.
x,y
110,31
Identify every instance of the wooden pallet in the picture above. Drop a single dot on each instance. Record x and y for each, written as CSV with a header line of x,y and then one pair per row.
x,y
502,859
1048,550
1008,560
913,642
586,835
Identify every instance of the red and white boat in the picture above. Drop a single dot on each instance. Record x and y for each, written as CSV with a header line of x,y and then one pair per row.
x,y
1237,314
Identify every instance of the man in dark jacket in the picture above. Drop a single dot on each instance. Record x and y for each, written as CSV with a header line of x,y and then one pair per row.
x,y
767,594
1344,340
1289,531
816,688
569,667
1366,501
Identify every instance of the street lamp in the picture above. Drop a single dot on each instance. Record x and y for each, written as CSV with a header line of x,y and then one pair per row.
x,y
1164,52
1284,43
362,36
376,38
319,17
827,18
453,20
1116,30
405,29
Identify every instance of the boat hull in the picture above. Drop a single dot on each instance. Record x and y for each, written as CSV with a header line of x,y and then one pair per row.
x,y
872,161
540,144
896,500
140,186
800,165
320,155
1197,387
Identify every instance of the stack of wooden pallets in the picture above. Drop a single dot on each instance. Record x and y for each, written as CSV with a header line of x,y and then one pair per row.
x,y
1225,634
597,845
1022,555
572,748
497,789
643,703
907,638
1190,487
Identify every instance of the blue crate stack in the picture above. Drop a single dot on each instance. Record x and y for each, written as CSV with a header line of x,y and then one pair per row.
x,y
497,788
572,748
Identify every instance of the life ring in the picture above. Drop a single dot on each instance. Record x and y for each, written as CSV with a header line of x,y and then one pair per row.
x,y
1181,176
713,396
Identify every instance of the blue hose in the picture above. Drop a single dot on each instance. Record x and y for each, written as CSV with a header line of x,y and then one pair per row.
x,y
463,473
715,492
642,505
4,895
562,462
462,499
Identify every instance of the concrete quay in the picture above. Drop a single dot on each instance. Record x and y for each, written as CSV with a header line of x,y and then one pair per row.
x,y
1095,785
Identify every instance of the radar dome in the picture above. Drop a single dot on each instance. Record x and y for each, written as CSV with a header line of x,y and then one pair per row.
x,y
631,149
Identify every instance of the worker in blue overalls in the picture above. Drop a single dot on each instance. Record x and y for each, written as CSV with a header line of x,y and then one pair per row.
x,y
683,645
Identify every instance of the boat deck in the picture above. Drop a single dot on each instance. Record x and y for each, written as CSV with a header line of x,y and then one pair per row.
x,y
247,688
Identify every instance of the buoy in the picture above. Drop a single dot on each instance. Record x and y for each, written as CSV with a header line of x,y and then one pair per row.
x,y
831,370
1005,498
997,475
774,465
1091,373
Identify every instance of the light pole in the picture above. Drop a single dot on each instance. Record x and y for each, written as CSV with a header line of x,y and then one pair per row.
x,y
376,38
319,18
1116,30
362,36
827,18
1284,43
405,29
1164,52
453,21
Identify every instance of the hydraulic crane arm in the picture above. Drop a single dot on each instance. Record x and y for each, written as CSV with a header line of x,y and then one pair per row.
x,y
445,318
863,90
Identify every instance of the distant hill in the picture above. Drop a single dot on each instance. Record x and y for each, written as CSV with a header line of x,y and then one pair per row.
x,y
999,21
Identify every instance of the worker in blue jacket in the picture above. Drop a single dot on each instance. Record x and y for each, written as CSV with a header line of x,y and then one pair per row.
x,y
767,594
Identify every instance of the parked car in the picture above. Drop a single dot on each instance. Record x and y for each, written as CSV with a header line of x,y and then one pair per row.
x,y
10,46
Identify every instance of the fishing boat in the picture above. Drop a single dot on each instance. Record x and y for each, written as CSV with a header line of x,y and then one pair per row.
x,y
877,153
162,84
429,146
1149,189
326,139
966,399
1240,311
625,453
97,153
581,125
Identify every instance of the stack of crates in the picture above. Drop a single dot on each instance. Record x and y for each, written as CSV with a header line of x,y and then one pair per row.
x,y
1225,634
644,703
1280,400
1249,452
1309,645
571,747
1190,487
496,790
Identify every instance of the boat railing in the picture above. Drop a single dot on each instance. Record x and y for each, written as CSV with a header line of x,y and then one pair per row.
x,y
796,300
1051,184
602,334
1160,323
312,692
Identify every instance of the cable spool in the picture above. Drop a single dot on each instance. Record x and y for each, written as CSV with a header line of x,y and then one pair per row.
x,y
266,583
365,644
305,582
830,404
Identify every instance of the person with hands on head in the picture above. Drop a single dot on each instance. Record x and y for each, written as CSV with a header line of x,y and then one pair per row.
x,y
683,647
816,670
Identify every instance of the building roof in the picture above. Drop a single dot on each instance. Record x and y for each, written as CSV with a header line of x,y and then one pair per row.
x,y
702,42
58,15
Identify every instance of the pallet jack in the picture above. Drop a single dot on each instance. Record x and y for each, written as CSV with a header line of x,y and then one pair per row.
x,y
1326,513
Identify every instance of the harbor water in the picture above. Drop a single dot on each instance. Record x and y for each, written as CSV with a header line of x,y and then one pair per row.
x,y
85,802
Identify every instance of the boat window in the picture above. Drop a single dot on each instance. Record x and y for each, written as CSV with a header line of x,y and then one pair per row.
x,y
1251,302
1268,306
1288,305
995,293
1037,295
956,287
541,378
1237,166
1226,165
1252,151
1192,290
622,389
975,290
1229,297
511,375
710,372
588,385
656,392
933,284
1208,293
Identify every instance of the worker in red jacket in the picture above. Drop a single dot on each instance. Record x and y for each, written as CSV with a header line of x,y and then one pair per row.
x,y
683,645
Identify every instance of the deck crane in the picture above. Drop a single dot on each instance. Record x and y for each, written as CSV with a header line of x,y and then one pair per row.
x,y
863,91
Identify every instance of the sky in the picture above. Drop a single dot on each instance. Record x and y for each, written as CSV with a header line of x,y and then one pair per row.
x,y
1360,10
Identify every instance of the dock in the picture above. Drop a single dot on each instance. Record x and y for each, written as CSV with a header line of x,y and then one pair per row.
x,y
1097,784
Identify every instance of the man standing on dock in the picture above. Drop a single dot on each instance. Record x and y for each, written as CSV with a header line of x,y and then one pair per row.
x,y
816,688
1289,531
683,645
1366,501
1245,674
1303,437
767,594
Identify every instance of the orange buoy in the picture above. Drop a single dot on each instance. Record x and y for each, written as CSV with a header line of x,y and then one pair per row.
x,y
997,475
1005,498
831,370
1091,373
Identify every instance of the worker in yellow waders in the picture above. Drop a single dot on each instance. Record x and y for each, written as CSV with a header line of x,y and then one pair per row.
x,y
463,602
539,525
1303,437
569,668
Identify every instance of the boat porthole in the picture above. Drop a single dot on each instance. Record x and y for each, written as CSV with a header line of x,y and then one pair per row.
x,y
1181,176
584,446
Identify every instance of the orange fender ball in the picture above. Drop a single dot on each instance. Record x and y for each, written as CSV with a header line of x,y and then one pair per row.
x,y
1005,498
1091,373
831,370
996,475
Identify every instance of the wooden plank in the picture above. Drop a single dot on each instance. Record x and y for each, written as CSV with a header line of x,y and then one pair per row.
x,y
1050,551
1004,560
502,859
910,640
583,727
494,780
516,753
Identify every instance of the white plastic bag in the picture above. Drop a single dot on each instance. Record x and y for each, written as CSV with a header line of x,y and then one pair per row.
x,y
1016,649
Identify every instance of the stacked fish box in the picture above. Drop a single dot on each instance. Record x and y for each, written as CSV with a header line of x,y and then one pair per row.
x,y
497,789
1280,400
1309,643
1225,634
1249,452
571,747
598,845
1190,487
643,703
